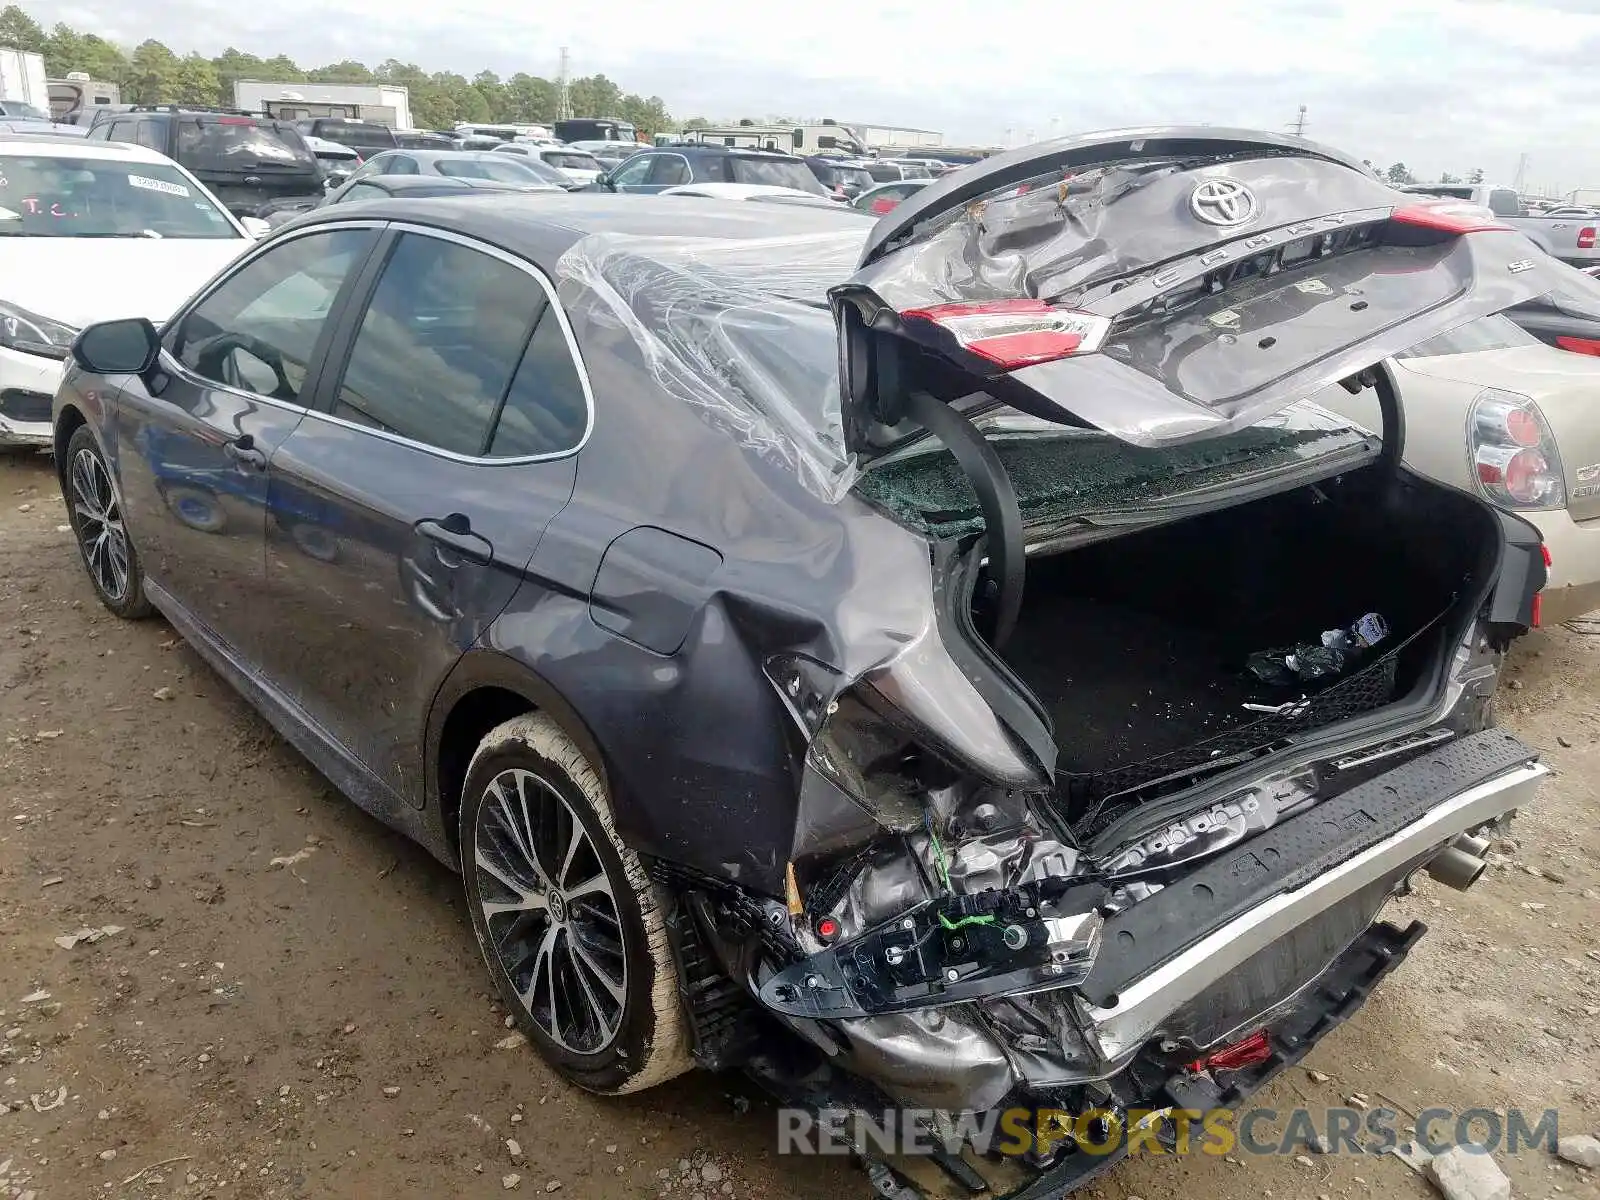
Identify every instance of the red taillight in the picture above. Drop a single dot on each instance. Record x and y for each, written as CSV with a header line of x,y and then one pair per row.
x,y
1016,333
1514,455
883,204
1448,218
235,121
1586,238
1579,345
1545,551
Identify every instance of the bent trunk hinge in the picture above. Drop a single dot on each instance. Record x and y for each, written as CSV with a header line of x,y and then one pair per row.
x,y
996,496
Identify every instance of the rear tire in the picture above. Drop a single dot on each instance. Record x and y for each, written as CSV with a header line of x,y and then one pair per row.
x,y
94,508
572,933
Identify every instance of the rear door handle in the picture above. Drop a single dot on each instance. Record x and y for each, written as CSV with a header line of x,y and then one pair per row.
x,y
243,451
454,532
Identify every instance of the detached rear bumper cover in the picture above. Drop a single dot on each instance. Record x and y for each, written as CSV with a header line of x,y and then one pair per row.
x,y
1172,947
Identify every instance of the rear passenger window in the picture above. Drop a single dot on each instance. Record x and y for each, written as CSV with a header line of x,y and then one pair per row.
x,y
152,134
439,345
546,410
669,171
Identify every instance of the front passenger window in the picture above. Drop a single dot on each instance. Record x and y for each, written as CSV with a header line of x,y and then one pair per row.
x,y
257,331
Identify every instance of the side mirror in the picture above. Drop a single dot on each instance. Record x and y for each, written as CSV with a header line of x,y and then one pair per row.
x,y
255,226
124,347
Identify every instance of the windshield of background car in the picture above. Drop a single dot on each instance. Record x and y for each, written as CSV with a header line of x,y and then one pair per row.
x,y
566,160
775,172
98,197
500,168
360,134
1486,333
915,171
240,144
16,108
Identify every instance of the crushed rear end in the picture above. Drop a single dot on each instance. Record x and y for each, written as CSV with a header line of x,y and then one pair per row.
x,y
1060,848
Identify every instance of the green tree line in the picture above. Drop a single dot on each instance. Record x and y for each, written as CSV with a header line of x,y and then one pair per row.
x,y
153,73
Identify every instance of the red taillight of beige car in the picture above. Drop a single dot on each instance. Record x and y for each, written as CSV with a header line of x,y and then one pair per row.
x,y
1579,345
1514,454
1586,237
883,204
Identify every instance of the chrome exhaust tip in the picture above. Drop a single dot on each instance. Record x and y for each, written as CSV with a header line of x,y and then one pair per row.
x,y
1478,847
1455,868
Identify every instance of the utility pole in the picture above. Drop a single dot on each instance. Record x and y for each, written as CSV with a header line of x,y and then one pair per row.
x,y
563,92
1522,173
1299,122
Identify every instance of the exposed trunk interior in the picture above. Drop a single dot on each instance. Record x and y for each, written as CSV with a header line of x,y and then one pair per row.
x,y
1137,646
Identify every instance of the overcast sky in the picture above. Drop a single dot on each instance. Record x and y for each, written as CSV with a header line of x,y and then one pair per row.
x,y
1442,85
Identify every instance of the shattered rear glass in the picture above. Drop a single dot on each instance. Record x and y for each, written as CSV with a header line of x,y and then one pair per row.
x,y
1064,476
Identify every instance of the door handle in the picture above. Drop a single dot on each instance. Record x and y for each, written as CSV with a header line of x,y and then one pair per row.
x,y
243,451
454,532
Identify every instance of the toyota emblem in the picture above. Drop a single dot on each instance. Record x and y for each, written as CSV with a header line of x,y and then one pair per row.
x,y
1222,202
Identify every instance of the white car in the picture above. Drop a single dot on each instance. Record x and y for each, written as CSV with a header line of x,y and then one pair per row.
x,y
770,193
91,231
579,166
1489,408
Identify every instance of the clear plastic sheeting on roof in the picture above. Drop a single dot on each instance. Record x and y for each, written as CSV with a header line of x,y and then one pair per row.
x,y
739,328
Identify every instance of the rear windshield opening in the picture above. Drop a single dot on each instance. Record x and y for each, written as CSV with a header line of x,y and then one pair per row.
x,y
240,144
571,162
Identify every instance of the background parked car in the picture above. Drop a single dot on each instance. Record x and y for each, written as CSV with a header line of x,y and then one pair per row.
x,y
422,139
657,169
245,161
465,164
609,153
1572,239
366,137
844,179
578,166
21,110
1489,409
337,161
373,187
892,170
885,196
106,230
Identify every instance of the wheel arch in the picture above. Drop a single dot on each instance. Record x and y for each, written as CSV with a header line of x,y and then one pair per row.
x,y
68,420
485,689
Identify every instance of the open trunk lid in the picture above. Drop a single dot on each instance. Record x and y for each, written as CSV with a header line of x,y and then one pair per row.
x,y
1160,284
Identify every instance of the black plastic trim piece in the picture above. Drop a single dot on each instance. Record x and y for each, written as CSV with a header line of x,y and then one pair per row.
x,y
1141,938
998,499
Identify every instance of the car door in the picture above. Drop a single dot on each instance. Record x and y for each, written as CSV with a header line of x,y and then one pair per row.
x,y
633,175
406,506
194,437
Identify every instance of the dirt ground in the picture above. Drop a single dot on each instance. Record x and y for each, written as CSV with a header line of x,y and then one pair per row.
x,y
322,1027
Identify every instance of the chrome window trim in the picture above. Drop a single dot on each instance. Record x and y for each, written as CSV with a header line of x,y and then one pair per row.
x,y
553,301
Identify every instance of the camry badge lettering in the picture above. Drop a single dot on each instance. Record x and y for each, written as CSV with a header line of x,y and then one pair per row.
x,y
1225,203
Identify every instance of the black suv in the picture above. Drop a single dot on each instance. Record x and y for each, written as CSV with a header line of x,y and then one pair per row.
x,y
366,138
247,161
669,166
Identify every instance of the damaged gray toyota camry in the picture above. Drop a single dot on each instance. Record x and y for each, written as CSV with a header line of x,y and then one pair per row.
x,y
942,663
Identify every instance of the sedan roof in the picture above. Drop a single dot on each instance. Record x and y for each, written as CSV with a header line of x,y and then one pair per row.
x,y
535,224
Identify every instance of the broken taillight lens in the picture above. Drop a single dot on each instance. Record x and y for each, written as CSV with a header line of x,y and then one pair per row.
x,y
1247,1052
1016,333
1514,457
1448,218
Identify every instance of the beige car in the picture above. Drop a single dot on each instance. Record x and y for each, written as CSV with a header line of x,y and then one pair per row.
x,y
1491,409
